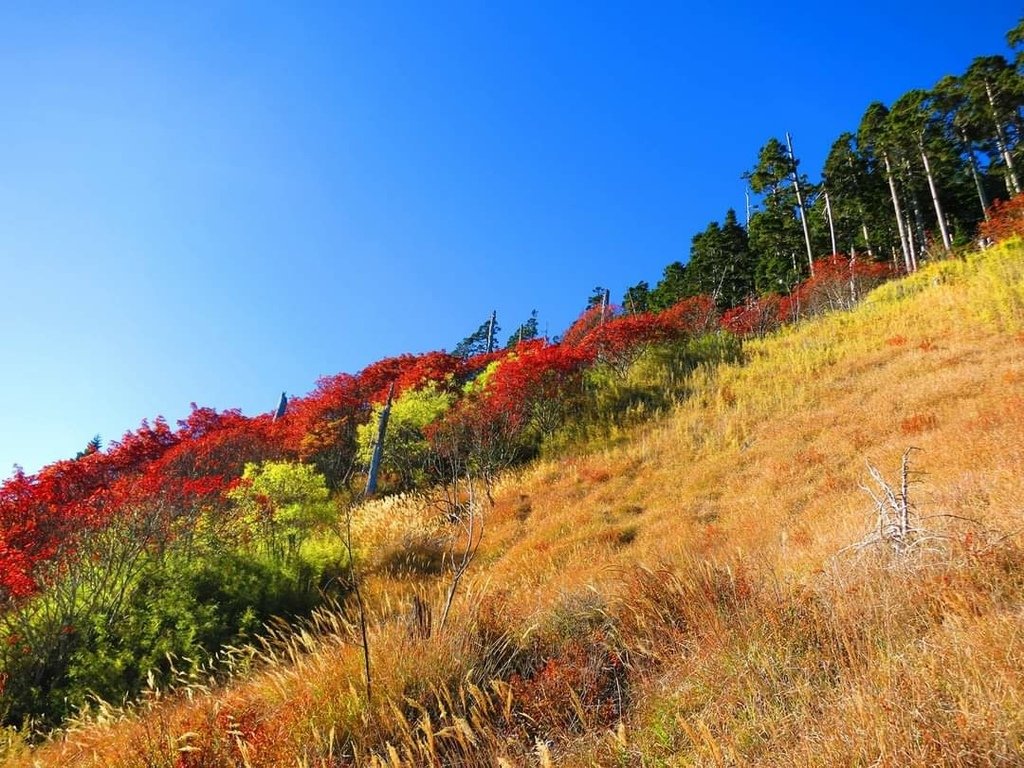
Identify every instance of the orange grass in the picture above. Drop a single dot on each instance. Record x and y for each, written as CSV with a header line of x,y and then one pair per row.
x,y
688,597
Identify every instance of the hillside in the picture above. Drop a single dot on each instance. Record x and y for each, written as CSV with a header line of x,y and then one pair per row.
x,y
689,594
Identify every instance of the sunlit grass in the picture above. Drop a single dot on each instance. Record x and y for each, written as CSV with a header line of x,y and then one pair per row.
x,y
687,596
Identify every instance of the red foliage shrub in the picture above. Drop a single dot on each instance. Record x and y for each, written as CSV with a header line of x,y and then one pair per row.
x,y
538,372
585,323
692,316
161,477
432,368
1005,219
619,341
839,282
756,317
585,670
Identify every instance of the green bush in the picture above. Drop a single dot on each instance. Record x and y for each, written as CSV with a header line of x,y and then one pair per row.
x,y
655,382
180,610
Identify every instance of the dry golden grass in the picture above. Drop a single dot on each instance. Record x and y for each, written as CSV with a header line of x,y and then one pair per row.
x,y
690,597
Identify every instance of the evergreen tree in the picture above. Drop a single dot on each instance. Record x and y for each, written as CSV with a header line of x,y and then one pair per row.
x,y
477,342
524,332
775,234
874,137
721,264
916,126
995,95
671,288
1015,39
597,297
857,198
93,446
637,298
954,110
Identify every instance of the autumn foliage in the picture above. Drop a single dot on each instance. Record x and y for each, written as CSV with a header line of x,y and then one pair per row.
x,y
528,390
1005,220
839,282
169,487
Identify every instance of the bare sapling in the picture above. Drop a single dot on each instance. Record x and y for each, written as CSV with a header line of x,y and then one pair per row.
x,y
354,580
899,526
471,522
897,523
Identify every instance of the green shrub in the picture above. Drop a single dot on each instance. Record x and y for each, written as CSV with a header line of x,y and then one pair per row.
x,y
180,610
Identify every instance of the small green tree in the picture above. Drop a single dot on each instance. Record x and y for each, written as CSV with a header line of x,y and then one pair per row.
x,y
637,298
672,287
281,504
524,332
721,265
481,341
405,447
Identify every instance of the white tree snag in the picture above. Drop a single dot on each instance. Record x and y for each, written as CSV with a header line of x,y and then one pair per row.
x,y
378,448
946,243
800,204
899,212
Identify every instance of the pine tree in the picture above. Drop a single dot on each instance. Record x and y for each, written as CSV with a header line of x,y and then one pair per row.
x,y
775,234
721,264
481,341
528,330
671,288
637,298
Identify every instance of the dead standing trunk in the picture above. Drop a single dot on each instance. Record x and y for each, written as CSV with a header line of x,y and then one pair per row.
x,y
1011,174
378,448
935,199
800,205
973,162
898,211
831,223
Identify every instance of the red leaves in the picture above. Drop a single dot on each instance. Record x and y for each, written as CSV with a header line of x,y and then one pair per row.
x,y
431,368
42,516
1005,219
839,282
756,317
692,316
532,390
620,339
537,371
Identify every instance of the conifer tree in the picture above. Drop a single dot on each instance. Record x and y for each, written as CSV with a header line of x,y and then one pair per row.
x,y
775,234
671,288
721,264
637,298
477,342
528,330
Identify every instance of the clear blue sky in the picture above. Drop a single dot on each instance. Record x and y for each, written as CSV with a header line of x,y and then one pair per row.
x,y
214,203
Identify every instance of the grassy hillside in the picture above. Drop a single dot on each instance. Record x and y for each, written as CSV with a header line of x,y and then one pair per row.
x,y
693,595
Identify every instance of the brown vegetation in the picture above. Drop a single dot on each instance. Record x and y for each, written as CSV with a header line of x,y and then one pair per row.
x,y
690,597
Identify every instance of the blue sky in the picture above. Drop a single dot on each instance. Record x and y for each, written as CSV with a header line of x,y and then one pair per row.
x,y
214,202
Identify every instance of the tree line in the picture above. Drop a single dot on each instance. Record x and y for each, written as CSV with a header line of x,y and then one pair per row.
x,y
176,541
911,182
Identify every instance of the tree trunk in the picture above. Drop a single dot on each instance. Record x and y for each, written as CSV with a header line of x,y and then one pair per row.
x,y
282,407
831,224
935,199
800,205
490,332
867,239
912,243
973,161
916,216
898,211
1004,150
378,448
